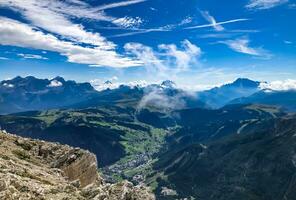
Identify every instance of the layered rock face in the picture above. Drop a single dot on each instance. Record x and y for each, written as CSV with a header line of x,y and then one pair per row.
x,y
33,169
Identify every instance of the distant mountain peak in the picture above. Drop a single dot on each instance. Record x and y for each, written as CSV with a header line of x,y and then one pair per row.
x,y
168,84
17,78
245,82
108,82
30,78
59,79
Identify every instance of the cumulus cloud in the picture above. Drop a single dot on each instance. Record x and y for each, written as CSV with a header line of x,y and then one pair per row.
x,y
18,34
182,58
147,56
242,45
264,4
279,85
32,56
167,58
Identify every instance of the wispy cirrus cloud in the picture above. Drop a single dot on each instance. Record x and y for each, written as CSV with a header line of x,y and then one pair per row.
x,y
212,20
140,31
227,34
242,45
137,31
171,27
32,56
213,23
120,4
264,4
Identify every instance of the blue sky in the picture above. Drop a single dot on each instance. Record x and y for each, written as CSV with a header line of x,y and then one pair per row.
x,y
195,43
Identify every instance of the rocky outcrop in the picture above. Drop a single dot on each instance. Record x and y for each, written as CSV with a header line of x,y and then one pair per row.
x,y
33,169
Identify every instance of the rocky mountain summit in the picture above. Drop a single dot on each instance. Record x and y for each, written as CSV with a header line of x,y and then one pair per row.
x,y
34,169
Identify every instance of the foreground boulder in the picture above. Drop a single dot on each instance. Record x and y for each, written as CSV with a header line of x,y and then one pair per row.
x,y
33,169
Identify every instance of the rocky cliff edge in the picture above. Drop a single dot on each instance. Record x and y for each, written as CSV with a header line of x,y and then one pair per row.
x,y
33,169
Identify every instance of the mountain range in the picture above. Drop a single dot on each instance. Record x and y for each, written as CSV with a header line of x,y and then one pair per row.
x,y
285,99
231,142
30,93
219,96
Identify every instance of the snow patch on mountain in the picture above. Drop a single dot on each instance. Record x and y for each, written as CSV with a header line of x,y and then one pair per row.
x,y
8,85
55,83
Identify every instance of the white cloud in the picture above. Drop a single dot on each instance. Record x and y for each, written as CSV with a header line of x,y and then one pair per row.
x,y
264,4
52,16
55,83
114,78
66,37
242,45
184,57
32,56
4,58
18,34
136,31
147,56
120,4
213,23
288,42
186,20
128,22
279,85
158,97
212,20
168,59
